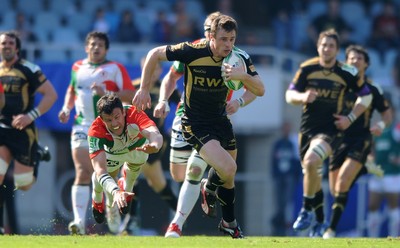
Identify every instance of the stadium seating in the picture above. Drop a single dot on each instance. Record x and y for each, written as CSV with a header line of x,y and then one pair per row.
x,y
65,36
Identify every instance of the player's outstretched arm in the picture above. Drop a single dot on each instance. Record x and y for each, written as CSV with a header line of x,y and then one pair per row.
x,y
142,100
155,140
387,118
167,87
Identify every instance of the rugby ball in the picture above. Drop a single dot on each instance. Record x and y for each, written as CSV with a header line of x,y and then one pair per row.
x,y
235,60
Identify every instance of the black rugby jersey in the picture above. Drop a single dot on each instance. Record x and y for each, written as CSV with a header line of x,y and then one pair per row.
x,y
20,83
362,124
205,93
331,85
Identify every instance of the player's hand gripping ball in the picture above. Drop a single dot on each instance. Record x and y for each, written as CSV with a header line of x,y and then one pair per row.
x,y
235,60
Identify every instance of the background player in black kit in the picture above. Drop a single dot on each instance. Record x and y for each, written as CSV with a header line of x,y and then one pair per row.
x,y
320,85
21,80
350,157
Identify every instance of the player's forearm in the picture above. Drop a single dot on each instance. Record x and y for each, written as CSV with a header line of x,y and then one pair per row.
x,y
387,118
48,99
294,97
362,103
156,139
247,97
153,57
168,86
254,84
69,100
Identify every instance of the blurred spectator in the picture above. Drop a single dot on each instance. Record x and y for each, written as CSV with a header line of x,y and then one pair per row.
x,y
331,19
24,29
289,20
184,26
145,17
286,173
386,29
281,26
127,30
100,22
162,28
226,8
113,19
396,69
387,155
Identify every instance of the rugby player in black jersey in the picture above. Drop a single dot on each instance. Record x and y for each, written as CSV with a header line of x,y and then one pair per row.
x,y
205,123
320,85
348,160
21,81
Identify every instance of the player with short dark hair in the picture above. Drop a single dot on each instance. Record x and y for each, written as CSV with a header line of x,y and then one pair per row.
x,y
119,136
347,161
152,170
21,80
319,85
91,78
205,123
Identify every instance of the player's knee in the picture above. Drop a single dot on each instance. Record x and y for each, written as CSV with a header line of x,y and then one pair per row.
x,y
320,152
24,181
313,160
3,167
196,168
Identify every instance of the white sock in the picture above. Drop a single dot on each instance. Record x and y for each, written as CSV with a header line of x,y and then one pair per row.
x,y
131,174
97,192
188,196
394,222
374,224
80,195
109,199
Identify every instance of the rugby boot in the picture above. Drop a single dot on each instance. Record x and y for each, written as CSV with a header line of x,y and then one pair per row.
x,y
173,231
98,211
304,220
208,200
318,229
236,233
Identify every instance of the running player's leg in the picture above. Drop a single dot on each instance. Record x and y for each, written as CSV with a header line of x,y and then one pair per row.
x,y
179,153
80,190
188,194
222,176
346,175
392,194
375,198
312,162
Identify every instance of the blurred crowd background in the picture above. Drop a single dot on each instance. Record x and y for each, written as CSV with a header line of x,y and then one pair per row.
x,y
277,34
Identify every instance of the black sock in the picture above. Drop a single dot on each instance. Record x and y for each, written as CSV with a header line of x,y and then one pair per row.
x,y
308,203
226,199
318,206
214,181
167,195
338,208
